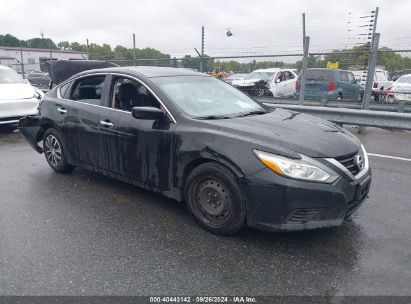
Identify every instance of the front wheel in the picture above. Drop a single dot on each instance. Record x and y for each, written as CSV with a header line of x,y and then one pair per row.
x,y
215,199
55,152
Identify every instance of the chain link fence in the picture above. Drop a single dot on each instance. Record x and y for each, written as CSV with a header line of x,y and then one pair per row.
x,y
334,79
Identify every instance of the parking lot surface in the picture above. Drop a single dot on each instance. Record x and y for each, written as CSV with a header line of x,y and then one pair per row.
x,y
86,234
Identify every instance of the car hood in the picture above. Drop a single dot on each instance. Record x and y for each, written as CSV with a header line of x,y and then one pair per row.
x,y
288,131
401,88
245,82
16,91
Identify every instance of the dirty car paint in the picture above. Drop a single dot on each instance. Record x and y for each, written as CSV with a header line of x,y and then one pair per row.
x,y
159,154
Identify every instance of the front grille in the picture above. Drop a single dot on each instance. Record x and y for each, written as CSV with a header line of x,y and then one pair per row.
x,y
302,215
348,162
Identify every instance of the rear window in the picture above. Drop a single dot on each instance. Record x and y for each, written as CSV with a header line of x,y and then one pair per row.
x,y
319,75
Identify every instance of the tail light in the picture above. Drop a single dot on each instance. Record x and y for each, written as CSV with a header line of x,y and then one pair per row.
x,y
331,86
296,85
375,85
389,89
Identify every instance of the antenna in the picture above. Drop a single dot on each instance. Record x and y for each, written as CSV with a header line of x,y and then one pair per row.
x,y
42,34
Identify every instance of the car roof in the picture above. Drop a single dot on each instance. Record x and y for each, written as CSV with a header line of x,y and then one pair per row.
x,y
268,70
149,71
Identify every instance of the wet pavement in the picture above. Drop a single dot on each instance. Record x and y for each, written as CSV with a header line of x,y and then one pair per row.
x,y
86,234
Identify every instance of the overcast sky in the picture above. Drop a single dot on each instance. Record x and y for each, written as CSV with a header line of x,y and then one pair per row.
x,y
174,26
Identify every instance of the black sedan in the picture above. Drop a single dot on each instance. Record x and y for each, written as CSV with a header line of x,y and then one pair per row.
x,y
193,138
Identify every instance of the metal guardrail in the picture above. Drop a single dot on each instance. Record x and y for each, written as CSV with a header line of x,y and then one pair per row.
x,y
388,107
358,117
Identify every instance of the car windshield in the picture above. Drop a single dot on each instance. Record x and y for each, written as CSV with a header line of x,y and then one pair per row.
x,y
10,76
405,79
260,75
207,97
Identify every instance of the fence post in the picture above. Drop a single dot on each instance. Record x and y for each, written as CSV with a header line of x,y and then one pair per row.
x,y
304,68
202,49
372,62
22,62
134,49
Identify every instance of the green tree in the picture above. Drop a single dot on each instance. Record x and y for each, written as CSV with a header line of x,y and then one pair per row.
x,y
41,43
11,41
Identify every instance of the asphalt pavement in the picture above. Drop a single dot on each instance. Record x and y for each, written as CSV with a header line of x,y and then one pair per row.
x,y
86,234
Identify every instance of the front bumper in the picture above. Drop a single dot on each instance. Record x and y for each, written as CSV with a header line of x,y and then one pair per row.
x,y
278,203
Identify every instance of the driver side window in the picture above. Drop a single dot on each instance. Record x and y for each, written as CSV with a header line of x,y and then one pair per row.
x,y
127,94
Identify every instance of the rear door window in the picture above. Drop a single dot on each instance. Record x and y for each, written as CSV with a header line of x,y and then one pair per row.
x,y
351,77
344,76
89,90
319,75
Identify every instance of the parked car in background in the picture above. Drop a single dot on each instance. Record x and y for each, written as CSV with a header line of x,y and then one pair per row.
x,y
399,90
381,82
330,85
275,82
39,80
17,97
234,77
194,138
397,74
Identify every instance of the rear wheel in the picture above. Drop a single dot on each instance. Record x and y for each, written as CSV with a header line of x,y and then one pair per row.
x,y
55,152
215,199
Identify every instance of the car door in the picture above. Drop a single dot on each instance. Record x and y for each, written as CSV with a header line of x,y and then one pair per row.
x,y
355,87
283,84
136,148
289,83
81,108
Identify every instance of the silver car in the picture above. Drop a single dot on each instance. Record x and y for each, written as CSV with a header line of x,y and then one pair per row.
x,y
17,97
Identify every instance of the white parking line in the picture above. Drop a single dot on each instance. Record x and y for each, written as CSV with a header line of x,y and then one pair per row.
x,y
389,156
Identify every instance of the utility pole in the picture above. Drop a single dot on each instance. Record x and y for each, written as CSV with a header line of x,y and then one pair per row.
x,y
134,49
202,49
21,62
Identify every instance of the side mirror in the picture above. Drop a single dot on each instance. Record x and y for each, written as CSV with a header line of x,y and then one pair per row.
x,y
149,113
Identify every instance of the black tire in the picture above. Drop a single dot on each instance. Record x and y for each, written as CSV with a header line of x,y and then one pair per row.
x,y
55,151
215,199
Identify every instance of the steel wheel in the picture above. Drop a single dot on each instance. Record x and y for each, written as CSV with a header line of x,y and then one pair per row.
x,y
52,150
215,198
214,201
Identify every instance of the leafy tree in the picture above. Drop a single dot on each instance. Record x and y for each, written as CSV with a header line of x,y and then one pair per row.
x,y
41,43
63,45
11,41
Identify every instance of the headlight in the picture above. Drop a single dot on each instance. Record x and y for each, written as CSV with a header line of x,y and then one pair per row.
x,y
305,168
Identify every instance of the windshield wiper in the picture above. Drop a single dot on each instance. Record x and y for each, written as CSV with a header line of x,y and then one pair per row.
x,y
255,112
214,117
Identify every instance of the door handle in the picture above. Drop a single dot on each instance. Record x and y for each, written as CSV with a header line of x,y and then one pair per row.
x,y
62,110
106,123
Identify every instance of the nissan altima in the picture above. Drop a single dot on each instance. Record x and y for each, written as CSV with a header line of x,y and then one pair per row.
x,y
193,138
